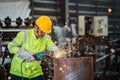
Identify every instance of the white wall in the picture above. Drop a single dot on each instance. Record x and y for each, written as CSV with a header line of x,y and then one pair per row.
x,y
14,9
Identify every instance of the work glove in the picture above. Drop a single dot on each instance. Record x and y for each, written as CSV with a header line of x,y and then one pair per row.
x,y
25,55
40,55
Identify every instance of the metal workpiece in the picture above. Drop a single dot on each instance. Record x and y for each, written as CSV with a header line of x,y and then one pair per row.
x,y
73,68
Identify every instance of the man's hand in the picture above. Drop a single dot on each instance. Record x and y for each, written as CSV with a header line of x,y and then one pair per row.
x,y
25,55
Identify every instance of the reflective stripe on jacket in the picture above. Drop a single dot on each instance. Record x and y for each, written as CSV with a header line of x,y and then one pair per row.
x,y
27,40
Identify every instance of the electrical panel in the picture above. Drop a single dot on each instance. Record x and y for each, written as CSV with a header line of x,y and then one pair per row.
x,y
100,26
85,25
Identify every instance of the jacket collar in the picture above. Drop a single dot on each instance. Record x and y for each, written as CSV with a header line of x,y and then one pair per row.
x,y
33,34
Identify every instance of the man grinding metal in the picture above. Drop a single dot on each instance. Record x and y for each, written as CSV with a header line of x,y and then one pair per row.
x,y
29,48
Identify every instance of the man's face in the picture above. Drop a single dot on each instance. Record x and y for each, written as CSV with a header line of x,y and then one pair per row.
x,y
39,33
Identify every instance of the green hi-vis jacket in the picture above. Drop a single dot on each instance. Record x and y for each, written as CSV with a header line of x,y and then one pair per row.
x,y
27,40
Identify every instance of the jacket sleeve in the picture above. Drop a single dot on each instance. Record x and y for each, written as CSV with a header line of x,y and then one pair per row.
x,y
51,46
16,43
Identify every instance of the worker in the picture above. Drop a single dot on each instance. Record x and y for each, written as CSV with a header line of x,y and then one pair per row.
x,y
29,48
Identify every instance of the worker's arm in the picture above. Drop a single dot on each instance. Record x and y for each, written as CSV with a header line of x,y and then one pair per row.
x,y
51,46
16,43
57,53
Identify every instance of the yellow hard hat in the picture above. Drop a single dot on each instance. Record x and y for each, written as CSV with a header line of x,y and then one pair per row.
x,y
44,23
